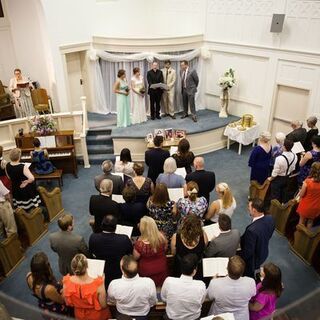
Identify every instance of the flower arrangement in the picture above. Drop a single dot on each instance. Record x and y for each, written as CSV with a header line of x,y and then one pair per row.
x,y
228,80
43,125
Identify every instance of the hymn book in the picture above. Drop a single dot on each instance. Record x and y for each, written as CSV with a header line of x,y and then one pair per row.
x,y
95,268
117,198
212,231
181,172
127,230
48,141
215,267
175,194
173,150
297,147
159,85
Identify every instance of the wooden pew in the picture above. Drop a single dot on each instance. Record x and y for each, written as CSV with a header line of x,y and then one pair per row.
x,y
258,191
52,200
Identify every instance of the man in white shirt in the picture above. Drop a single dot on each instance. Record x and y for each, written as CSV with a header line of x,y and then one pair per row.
x,y
284,165
134,296
184,296
232,293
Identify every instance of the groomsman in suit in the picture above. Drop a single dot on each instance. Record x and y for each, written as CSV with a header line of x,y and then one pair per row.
x,y
169,76
154,76
189,84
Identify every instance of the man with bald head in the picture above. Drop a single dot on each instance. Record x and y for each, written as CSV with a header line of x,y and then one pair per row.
x,y
298,133
206,180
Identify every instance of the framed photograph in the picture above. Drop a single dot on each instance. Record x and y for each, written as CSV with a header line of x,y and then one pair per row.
x,y
159,132
149,137
169,134
180,134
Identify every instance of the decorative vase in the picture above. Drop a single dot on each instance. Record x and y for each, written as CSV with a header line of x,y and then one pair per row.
x,y
224,103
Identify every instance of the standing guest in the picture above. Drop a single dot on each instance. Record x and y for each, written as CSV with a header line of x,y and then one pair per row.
x,y
143,185
226,203
184,157
66,243
110,247
121,89
125,165
190,238
278,148
132,294
298,133
189,84
263,304
184,296
138,106
283,167
206,180
227,242
24,190
150,250
85,294
20,87
107,167
154,76
260,157
40,159
44,286
309,205
102,204
312,124
162,210
155,157
3,176
255,240
169,78
233,292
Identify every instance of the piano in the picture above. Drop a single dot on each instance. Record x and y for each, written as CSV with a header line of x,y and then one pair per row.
x,y
60,147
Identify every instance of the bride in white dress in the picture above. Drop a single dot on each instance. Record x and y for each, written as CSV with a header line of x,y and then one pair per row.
x,y
137,98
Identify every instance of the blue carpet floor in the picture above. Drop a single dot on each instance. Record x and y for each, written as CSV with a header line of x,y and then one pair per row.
x,y
298,278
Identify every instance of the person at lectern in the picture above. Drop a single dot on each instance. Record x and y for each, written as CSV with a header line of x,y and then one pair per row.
x,y
20,87
155,76
121,89
169,77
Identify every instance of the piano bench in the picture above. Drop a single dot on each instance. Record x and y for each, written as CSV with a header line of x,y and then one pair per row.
x,y
55,175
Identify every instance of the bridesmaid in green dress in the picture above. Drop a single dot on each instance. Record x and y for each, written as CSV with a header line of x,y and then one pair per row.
x,y
121,89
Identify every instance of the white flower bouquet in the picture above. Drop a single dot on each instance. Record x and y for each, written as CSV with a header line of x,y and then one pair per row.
x,y
228,80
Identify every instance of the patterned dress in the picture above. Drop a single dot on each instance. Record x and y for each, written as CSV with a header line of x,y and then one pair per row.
x,y
304,171
42,164
186,206
142,194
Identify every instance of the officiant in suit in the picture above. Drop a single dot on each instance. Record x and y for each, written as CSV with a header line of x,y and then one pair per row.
x,y
189,84
154,76
169,77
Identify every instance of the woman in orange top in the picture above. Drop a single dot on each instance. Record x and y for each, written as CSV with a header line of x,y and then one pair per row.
x,y
85,294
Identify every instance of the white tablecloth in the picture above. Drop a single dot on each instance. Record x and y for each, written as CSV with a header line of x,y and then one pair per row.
x,y
244,137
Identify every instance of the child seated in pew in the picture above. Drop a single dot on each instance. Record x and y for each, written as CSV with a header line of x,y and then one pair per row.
x,y
40,159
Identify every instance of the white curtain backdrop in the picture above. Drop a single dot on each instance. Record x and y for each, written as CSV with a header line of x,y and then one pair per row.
x,y
105,66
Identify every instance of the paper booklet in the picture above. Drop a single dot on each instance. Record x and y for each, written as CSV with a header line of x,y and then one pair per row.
x,y
95,268
224,316
22,84
212,231
118,174
48,141
175,194
159,86
215,267
297,147
127,230
173,150
182,172
117,198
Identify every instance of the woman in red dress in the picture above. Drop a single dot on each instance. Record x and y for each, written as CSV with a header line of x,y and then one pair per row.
x,y
309,206
150,251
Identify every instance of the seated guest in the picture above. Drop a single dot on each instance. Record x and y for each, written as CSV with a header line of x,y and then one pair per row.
x,y
85,294
278,148
44,286
227,242
131,211
125,164
102,204
184,157
193,204
312,124
190,238
163,211
155,157
206,180
66,243
40,159
233,292
107,167
150,250
7,222
283,167
298,133
132,294
3,176
144,186
111,247
260,157
225,204
263,304
184,296
309,205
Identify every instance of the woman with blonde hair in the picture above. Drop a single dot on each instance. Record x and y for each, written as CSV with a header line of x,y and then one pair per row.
x,y
225,203
150,251
87,295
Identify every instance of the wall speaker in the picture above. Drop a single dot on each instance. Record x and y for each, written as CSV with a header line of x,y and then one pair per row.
x,y
277,23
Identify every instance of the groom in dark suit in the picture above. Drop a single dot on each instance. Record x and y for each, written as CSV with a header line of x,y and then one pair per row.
x,y
189,84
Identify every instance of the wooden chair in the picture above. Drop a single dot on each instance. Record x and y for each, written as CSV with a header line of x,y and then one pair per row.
x,y
258,191
305,243
31,224
10,253
6,106
55,175
280,213
40,100
52,201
